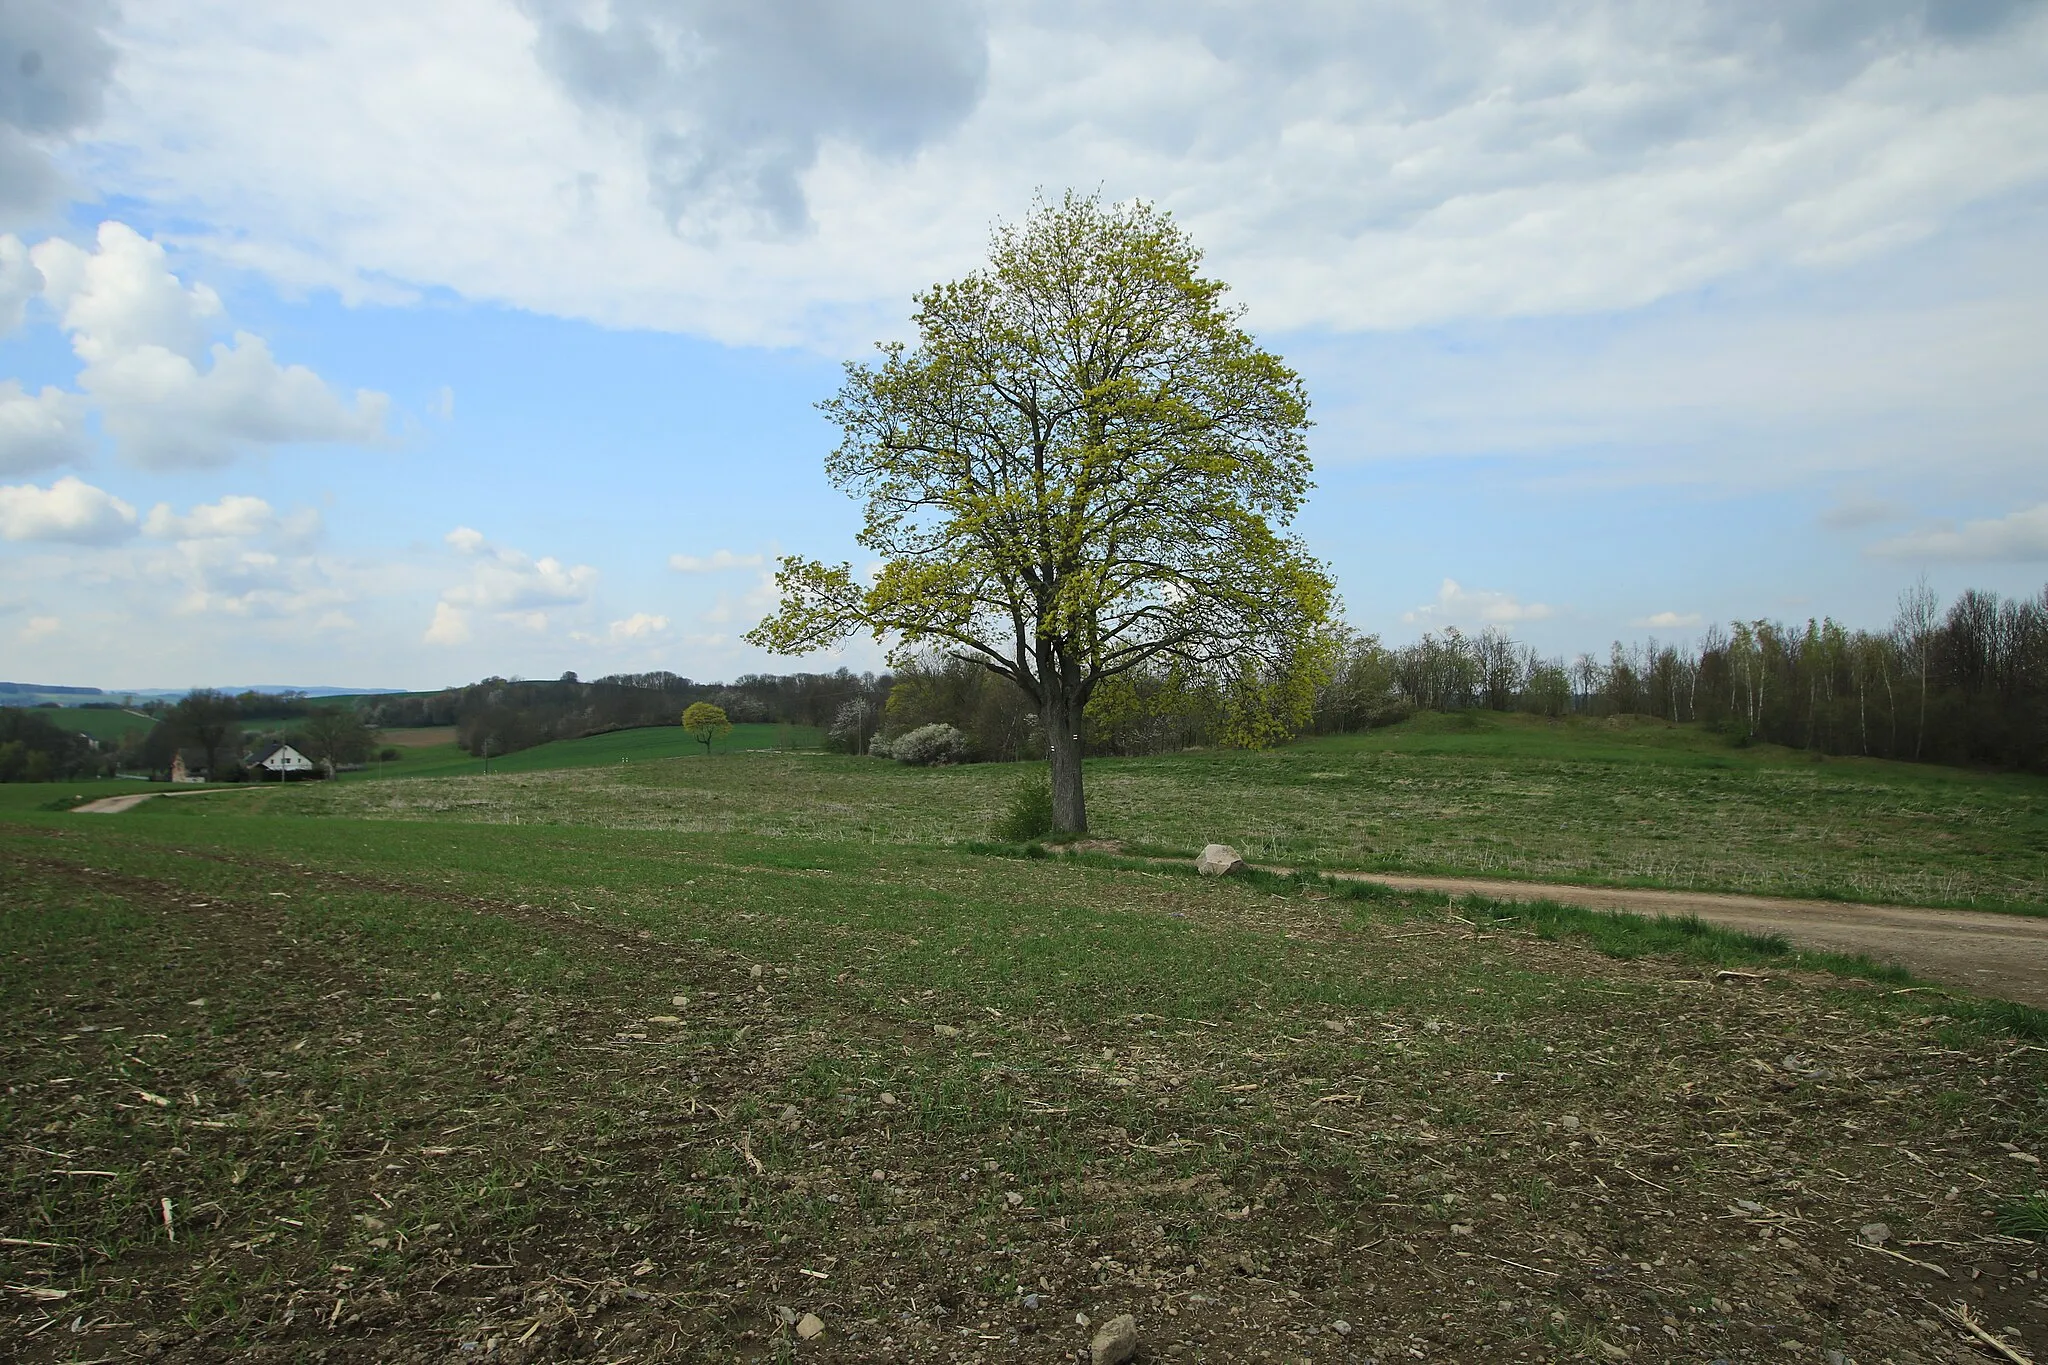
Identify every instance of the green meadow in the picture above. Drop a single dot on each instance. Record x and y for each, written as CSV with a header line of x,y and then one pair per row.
x,y
615,748
1628,802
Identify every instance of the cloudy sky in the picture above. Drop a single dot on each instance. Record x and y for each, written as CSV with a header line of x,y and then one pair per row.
x,y
393,344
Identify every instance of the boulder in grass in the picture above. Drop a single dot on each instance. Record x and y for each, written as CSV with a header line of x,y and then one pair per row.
x,y
1219,860
1116,1342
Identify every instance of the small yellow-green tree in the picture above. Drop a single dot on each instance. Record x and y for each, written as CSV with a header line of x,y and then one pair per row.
x,y
705,722
1082,469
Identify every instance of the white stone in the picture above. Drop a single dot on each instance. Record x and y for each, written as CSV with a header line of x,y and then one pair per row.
x,y
1116,1342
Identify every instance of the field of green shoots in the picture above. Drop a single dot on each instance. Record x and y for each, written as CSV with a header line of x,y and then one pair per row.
x,y
656,1061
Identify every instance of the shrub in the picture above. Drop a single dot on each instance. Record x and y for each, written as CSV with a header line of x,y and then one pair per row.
x,y
850,726
929,745
1028,815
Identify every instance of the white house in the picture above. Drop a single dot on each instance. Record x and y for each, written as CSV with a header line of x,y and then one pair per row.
x,y
281,760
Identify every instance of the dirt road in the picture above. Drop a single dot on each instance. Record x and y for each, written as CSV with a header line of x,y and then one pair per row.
x,y
114,805
1997,955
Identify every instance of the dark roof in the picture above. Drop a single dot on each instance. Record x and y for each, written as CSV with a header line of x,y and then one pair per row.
x,y
266,751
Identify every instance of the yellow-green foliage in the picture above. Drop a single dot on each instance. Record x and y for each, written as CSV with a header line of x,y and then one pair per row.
x,y
1083,469
706,722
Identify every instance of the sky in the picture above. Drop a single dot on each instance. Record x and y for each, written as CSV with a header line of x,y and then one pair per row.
x,y
398,345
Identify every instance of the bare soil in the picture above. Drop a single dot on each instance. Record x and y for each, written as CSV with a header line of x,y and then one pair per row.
x,y
1696,1172
420,737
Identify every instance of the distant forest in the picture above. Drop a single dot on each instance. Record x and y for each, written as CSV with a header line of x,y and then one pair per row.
x,y
510,714
1967,685
1963,684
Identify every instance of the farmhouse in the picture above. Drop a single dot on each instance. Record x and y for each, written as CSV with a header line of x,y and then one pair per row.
x,y
278,759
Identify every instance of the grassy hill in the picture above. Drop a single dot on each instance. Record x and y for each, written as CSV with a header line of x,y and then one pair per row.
x,y
100,724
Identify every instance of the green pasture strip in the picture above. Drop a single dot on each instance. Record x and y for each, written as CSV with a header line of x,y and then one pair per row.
x,y
50,796
642,744
1616,933
1630,804
1635,804
100,724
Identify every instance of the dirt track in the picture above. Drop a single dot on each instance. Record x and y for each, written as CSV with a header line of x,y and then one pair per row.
x,y
114,805
1989,954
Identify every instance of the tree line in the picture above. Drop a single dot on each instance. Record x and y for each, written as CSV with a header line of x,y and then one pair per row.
x,y
1965,684
509,714
1962,683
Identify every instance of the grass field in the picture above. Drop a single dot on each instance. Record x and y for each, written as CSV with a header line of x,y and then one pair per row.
x,y
102,725
1634,803
646,1062
616,748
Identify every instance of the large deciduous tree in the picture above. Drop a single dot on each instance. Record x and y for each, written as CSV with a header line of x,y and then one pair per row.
x,y
336,735
204,717
1083,468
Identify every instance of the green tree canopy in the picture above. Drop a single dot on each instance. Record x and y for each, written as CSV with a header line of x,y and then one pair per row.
x,y
705,722
1080,470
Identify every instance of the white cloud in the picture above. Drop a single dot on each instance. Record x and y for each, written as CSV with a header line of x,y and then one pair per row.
x,y
1358,166
233,516
638,626
2020,537
228,577
40,430
714,562
509,584
170,400
68,510
1669,620
38,628
20,281
1456,603
450,626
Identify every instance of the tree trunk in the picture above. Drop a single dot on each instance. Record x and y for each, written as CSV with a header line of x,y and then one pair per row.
x,y
1063,746
1920,734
